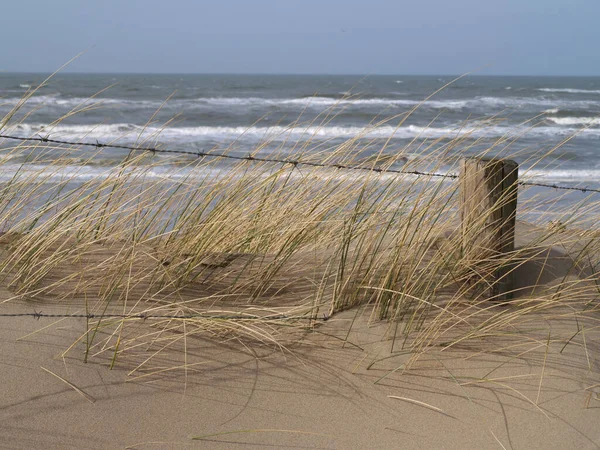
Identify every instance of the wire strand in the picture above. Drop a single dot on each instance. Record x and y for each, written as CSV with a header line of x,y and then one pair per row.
x,y
143,316
202,154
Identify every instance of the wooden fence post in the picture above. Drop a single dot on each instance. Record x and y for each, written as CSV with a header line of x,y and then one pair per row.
x,y
488,196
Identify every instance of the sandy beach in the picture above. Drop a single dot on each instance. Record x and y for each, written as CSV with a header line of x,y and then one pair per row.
x,y
343,384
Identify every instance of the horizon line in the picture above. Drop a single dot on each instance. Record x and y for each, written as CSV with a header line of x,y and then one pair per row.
x,y
71,72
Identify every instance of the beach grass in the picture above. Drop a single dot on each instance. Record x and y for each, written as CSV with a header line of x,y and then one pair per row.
x,y
264,252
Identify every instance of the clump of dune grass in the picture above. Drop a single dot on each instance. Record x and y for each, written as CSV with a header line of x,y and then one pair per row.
x,y
262,250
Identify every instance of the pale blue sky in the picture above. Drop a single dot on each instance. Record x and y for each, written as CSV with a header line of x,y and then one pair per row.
x,y
517,37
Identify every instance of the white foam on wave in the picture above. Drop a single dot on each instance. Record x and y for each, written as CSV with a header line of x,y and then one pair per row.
x,y
84,173
310,102
65,173
50,173
482,103
551,111
570,91
25,86
327,102
586,121
126,133
56,100
97,131
534,103
36,100
75,101
451,104
132,132
562,175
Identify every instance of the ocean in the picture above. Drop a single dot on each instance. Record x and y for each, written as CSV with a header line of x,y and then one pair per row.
x,y
520,117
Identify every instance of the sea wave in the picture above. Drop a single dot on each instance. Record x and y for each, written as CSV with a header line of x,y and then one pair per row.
x,y
129,132
36,99
570,91
168,172
570,121
450,104
125,132
534,103
82,173
53,100
326,102
562,175
482,104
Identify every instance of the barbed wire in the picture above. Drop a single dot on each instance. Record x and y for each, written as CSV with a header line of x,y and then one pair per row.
x,y
144,316
554,186
202,154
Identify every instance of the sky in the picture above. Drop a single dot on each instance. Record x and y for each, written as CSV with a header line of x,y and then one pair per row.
x,y
509,37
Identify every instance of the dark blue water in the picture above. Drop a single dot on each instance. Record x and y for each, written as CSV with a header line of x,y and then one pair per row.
x,y
521,117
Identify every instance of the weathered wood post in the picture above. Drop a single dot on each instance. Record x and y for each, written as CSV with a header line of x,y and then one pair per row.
x,y
488,195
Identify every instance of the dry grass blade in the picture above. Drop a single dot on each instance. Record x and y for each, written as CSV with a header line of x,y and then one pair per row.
x,y
498,440
88,397
162,444
258,430
537,400
184,367
417,402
